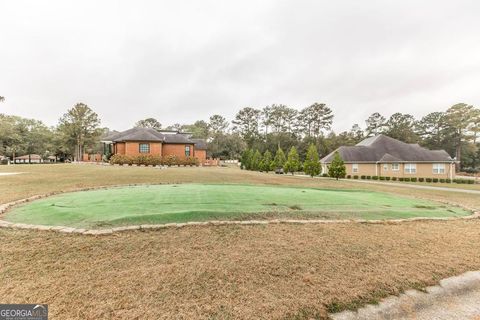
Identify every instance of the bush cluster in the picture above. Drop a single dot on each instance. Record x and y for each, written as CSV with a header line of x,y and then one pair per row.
x,y
153,160
413,179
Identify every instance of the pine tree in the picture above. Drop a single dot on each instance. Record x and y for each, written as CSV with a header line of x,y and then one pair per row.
x,y
311,166
279,160
246,159
293,162
256,159
265,164
337,168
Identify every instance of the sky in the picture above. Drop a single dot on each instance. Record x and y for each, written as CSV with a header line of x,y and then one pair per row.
x,y
181,61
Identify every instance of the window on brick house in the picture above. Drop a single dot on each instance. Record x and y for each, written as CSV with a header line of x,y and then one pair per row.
x,y
187,151
410,168
438,168
144,148
355,167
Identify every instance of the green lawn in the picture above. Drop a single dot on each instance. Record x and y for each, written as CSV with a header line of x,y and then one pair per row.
x,y
201,202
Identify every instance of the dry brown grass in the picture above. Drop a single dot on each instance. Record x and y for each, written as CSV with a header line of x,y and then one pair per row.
x,y
230,272
222,272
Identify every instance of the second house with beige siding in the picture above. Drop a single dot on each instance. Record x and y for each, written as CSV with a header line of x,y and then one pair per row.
x,y
384,156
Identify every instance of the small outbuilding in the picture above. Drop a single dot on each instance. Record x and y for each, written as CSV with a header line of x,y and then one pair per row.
x,y
28,158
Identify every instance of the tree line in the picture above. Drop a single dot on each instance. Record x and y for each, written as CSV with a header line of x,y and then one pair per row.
x,y
278,126
77,131
264,129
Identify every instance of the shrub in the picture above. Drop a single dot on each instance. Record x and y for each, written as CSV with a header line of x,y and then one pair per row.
x,y
369,177
388,178
279,160
349,176
401,179
448,180
442,180
153,160
325,175
435,180
170,160
406,179
293,161
394,178
355,177
337,168
428,179
413,179
190,161
363,177
119,159
421,179
312,165
470,181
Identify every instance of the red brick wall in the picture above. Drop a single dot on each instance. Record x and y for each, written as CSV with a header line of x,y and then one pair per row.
x,y
201,155
120,148
177,149
132,148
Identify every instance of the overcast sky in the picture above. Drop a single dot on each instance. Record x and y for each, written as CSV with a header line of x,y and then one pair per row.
x,y
180,61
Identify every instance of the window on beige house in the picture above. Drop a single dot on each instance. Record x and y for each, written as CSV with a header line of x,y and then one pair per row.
x,y
385,167
355,167
395,167
410,168
144,148
438,168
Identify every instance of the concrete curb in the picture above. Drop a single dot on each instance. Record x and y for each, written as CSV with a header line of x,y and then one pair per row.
x,y
64,229
413,302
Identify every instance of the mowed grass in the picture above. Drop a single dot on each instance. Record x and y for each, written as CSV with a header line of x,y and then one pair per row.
x,y
200,202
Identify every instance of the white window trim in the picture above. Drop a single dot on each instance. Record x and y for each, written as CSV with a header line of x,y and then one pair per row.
x,y
140,148
412,168
354,167
385,167
398,167
440,168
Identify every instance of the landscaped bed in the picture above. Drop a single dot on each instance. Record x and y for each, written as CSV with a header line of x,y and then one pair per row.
x,y
152,204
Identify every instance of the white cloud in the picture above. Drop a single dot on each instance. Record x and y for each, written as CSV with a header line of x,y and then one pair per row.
x,y
185,60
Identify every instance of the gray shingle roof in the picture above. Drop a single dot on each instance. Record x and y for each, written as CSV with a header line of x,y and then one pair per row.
x,y
385,149
149,134
200,144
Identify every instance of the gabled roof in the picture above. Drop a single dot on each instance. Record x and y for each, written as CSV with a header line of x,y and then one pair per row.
x,y
200,144
149,134
382,148
136,134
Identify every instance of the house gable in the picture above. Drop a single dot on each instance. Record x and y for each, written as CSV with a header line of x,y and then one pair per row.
x,y
382,148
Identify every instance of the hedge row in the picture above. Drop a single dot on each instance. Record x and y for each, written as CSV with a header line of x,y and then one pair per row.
x,y
153,160
434,180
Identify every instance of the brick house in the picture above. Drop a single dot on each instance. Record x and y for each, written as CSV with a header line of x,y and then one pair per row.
x,y
137,141
384,156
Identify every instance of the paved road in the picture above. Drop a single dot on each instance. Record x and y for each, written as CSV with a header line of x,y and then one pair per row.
x,y
456,298
414,186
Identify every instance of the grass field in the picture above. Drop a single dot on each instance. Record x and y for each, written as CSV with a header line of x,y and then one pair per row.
x,y
202,202
281,271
